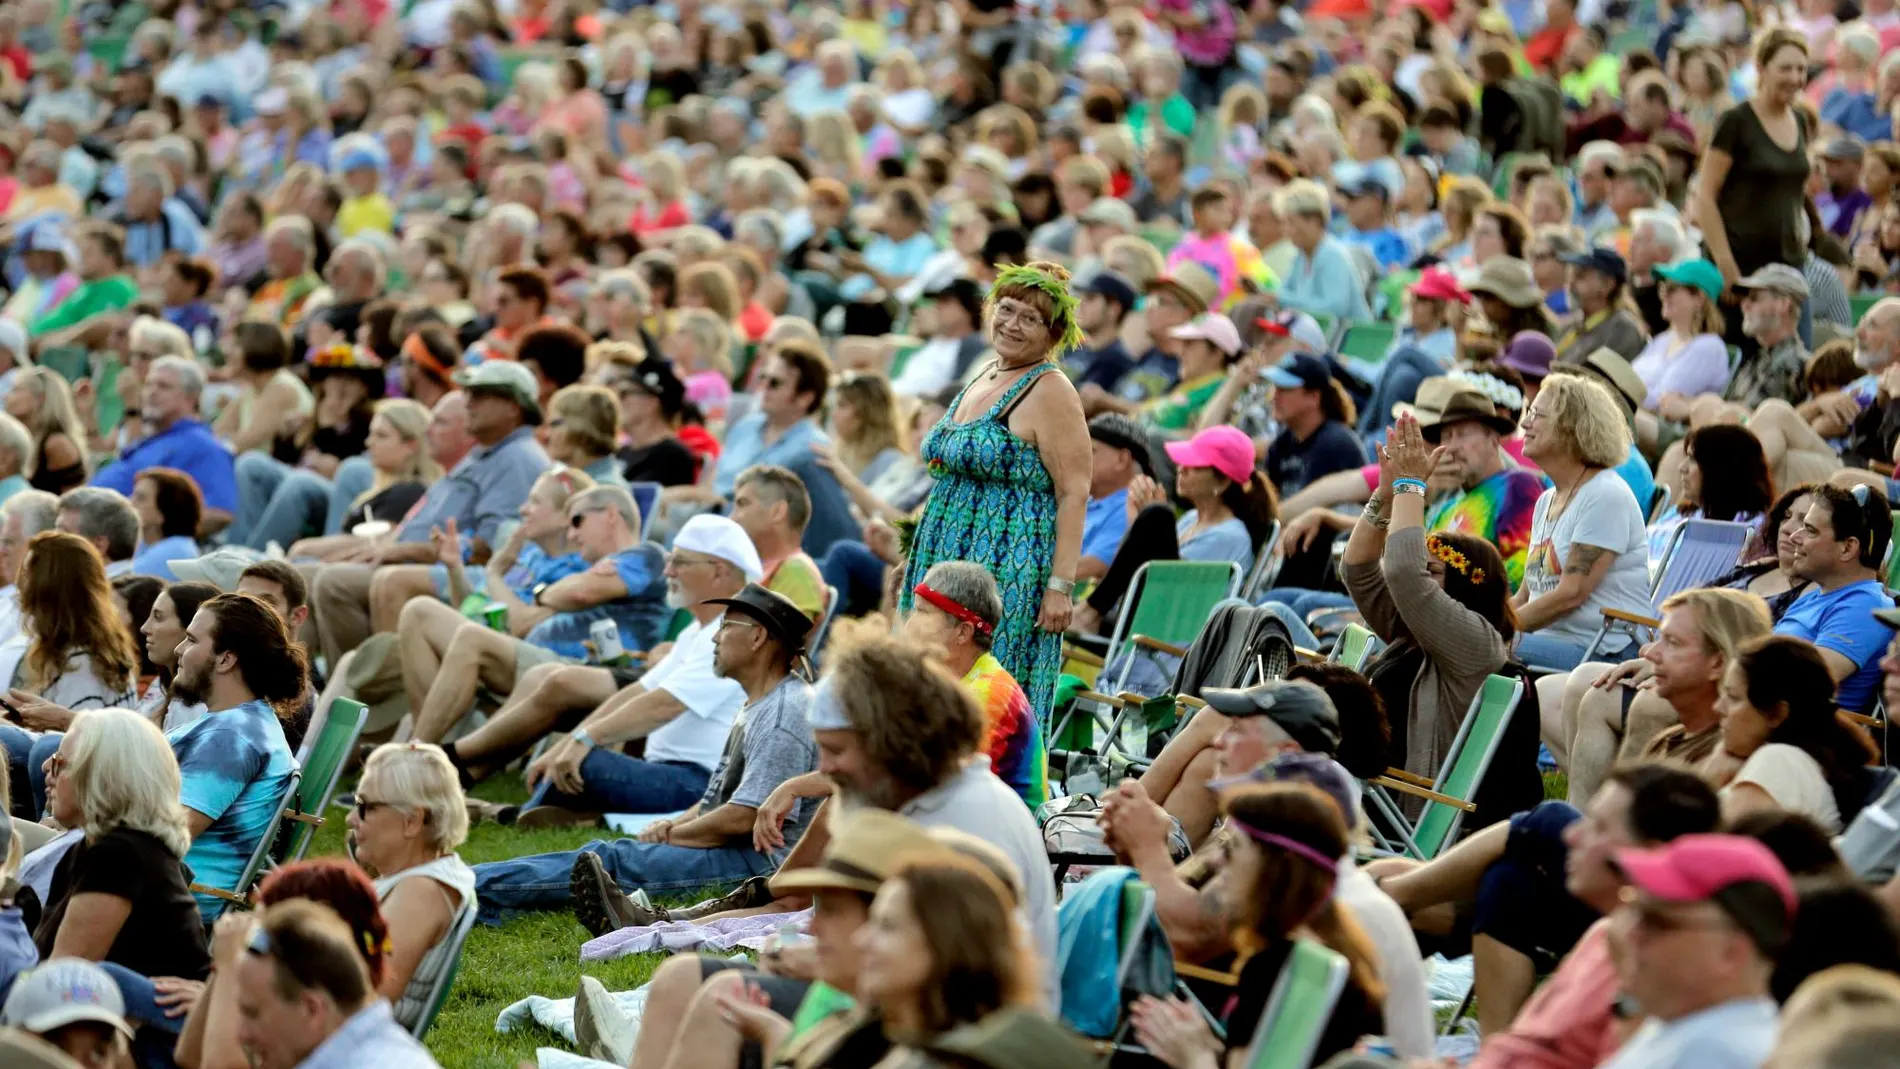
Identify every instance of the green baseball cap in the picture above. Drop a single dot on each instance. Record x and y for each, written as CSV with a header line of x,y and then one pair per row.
x,y
1701,274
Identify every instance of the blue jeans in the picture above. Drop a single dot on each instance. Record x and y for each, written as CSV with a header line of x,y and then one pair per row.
x,y
1539,650
157,1033
279,503
858,574
1398,381
1296,628
26,754
612,782
353,476
1303,602
540,881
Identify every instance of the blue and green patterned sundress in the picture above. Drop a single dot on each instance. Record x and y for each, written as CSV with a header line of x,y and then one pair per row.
x,y
994,504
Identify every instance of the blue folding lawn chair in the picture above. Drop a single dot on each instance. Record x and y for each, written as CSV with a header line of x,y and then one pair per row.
x,y
1699,552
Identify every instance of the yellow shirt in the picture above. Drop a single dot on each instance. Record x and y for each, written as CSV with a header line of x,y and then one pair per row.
x,y
798,580
373,212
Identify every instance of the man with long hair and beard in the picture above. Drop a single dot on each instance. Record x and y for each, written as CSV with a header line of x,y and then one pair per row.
x,y
240,660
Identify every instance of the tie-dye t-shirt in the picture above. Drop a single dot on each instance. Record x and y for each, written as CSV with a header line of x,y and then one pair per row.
x,y
1012,737
234,765
1497,510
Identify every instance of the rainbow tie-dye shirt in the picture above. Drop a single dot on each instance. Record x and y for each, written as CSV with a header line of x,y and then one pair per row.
x,y
1011,735
1497,510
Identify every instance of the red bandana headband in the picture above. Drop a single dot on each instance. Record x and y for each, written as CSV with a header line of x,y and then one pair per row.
x,y
955,609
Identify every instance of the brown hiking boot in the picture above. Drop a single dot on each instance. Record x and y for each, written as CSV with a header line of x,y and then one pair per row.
x,y
598,902
751,894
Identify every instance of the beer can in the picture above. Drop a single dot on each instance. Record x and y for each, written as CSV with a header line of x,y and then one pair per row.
x,y
496,616
606,638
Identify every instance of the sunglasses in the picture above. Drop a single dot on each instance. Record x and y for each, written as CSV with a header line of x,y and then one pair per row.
x,y
364,807
575,520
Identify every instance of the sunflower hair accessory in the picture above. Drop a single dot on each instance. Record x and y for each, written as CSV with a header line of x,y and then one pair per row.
x,y
1065,333
1454,559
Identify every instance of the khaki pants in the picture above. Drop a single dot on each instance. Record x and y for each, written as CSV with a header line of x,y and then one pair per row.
x,y
339,605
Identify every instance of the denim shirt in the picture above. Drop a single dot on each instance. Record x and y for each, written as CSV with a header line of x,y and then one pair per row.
x,y
370,1037
746,446
486,487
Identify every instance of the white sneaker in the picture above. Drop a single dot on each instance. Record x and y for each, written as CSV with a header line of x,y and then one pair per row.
x,y
602,1029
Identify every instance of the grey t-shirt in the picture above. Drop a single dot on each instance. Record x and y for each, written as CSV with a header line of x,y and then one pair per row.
x,y
1604,514
770,742
977,802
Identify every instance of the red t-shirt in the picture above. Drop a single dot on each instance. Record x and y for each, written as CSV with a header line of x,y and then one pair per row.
x,y
1544,46
1567,1023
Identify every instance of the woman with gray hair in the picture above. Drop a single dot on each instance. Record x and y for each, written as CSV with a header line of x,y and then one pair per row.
x,y
120,895
1589,549
410,817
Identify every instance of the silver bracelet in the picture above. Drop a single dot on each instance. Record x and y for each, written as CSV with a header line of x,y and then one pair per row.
x,y
1060,586
1376,516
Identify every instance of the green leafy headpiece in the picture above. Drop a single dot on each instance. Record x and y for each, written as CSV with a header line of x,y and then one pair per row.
x,y
1065,333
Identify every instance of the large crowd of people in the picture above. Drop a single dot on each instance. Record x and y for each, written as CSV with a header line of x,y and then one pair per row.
x,y
747,422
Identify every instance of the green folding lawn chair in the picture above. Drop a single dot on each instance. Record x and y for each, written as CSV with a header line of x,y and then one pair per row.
x,y
439,993
335,738
1299,1008
1448,799
1355,647
1167,605
1367,341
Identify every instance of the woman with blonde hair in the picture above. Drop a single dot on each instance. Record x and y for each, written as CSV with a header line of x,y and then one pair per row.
x,y
864,426
700,346
398,452
583,429
833,142
43,403
710,285
121,895
1460,204
664,207
1589,548
410,817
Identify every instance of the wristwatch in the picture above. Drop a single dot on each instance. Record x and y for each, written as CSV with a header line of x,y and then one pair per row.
x,y
581,736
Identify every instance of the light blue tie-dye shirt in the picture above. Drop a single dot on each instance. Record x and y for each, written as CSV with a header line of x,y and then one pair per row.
x,y
235,765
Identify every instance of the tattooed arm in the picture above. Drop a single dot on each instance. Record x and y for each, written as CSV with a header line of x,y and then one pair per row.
x,y
1583,570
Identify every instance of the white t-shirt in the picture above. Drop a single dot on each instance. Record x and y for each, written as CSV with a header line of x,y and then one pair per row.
x,y
975,801
697,735
1602,513
1794,780
1408,1004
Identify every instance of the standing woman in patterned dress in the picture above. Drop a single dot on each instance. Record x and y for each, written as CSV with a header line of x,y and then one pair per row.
x,y
1011,460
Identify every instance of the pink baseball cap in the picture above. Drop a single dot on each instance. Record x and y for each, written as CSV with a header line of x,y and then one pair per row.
x,y
1438,284
1709,868
1211,327
1226,449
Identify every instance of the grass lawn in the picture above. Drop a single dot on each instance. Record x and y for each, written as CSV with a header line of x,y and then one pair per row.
x,y
535,955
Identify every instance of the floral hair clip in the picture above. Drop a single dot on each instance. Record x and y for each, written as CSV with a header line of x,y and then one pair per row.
x,y
1497,390
343,355
1454,559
